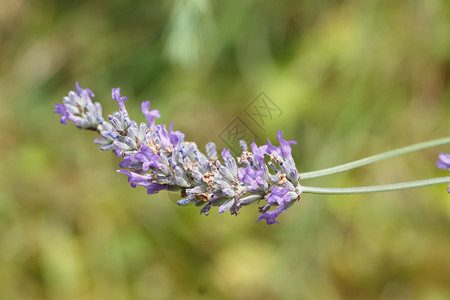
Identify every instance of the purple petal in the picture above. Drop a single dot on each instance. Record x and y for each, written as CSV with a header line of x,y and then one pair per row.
x,y
163,135
285,146
258,152
130,162
134,178
176,137
226,154
153,188
80,91
279,191
62,110
248,175
279,196
147,158
270,216
149,115
241,173
271,149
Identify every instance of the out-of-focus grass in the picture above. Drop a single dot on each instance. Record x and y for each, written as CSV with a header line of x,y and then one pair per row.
x,y
352,78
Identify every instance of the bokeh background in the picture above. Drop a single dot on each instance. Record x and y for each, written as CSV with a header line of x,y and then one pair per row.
x,y
352,78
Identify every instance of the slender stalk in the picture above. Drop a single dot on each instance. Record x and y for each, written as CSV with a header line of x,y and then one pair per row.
x,y
375,188
374,158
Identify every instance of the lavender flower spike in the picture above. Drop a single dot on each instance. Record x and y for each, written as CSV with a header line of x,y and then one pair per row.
x,y
158,159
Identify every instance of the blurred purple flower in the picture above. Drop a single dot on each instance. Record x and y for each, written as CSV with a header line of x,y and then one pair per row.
x,y
444,161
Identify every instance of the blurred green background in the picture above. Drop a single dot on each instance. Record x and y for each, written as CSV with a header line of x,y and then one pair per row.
x,y
353,78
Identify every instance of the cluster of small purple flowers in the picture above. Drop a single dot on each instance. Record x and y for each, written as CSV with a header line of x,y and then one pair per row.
x,y
160,159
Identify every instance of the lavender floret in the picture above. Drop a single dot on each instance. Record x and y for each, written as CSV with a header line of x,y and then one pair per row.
x,y
160,159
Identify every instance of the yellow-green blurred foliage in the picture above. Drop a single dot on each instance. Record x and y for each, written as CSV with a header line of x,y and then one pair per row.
x,y
353,78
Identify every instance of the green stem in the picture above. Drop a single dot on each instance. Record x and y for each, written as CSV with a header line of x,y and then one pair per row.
x,y
374,158
374,188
